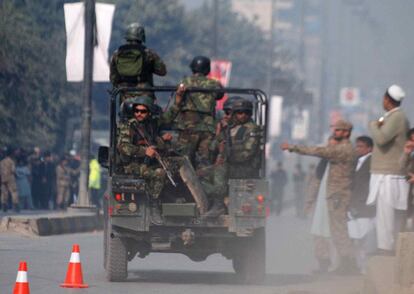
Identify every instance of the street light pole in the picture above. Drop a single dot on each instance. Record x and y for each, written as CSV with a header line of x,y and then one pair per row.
x,y
83,199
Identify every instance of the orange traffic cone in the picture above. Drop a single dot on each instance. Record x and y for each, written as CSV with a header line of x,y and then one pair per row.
x,y
74,278
22,285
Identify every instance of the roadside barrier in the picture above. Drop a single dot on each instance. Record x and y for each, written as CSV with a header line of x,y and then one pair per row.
x,y
22,285
74,277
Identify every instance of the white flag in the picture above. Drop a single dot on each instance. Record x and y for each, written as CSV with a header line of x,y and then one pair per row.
x,y
75,43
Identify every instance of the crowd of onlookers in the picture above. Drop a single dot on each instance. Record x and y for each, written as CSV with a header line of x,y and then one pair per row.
x,y
39,179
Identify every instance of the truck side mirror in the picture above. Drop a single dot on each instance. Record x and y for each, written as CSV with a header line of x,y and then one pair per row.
x,y
103,156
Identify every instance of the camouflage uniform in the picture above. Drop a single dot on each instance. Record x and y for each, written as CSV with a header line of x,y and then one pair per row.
x,y
8,181
196,122
341,167
62,185
132,146
153,64
243,154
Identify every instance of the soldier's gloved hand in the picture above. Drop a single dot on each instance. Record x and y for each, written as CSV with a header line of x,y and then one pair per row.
x,y
150,151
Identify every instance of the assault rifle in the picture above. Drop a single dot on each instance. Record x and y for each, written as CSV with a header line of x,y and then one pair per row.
x,y
158,158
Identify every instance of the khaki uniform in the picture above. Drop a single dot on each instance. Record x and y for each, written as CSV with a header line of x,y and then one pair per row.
x,y
62,185
8,181
341,167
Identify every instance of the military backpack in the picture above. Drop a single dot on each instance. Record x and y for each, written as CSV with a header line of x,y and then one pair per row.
x,y
130,63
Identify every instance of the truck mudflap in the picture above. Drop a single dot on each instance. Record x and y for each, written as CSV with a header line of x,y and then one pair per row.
x,y
248,205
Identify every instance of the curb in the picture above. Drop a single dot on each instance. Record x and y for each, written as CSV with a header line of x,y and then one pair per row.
x,y
46,225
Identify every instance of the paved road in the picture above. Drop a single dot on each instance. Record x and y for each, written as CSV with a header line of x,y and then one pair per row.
x,y
289,263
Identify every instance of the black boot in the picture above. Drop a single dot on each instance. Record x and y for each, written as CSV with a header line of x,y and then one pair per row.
x,y
16,208
155,209
4,207
218,208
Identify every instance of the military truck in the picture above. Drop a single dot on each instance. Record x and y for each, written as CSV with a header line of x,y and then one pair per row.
x,y
238,235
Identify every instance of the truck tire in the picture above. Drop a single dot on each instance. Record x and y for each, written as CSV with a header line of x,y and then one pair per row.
x,y
116,264
249,261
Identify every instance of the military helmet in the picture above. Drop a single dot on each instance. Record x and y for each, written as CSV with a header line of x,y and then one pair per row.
x,y
242,105
200,64
135,32
127,107
228,104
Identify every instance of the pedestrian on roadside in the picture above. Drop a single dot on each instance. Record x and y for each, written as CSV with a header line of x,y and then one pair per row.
x,y
361,226
407,162
279,179
8,181
62,183
23,178
340,172
95,181
299,186
388,188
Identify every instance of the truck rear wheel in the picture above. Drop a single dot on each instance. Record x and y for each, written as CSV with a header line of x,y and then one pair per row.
x,y
117,263
249,262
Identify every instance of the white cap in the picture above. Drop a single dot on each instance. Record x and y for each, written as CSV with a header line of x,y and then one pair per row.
x,y
396,93
72,152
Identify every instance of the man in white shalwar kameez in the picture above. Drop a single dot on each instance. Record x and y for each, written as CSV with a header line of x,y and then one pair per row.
x,y
388,187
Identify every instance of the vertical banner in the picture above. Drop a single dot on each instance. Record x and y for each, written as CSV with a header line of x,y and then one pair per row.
x,y
75,42
300,125
275,116
220,71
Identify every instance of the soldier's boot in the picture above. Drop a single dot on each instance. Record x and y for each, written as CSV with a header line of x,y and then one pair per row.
x,y
155,209
347,266
218,208
4,207
16,207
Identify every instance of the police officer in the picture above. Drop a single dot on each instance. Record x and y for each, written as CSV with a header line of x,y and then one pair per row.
x,y
8,181
133,64
138,143
196,120
341,160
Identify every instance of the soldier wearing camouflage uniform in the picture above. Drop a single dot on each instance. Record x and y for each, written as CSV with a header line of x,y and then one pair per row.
x,y
239,155
196,120
8,181
139,141
341,160
151,62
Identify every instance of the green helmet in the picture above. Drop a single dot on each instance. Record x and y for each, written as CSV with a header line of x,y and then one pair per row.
x,y
228,104
242,105
135,32
127,107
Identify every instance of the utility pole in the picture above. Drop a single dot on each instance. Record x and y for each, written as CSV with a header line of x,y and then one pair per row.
x,y
215,28
83,197
271,48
